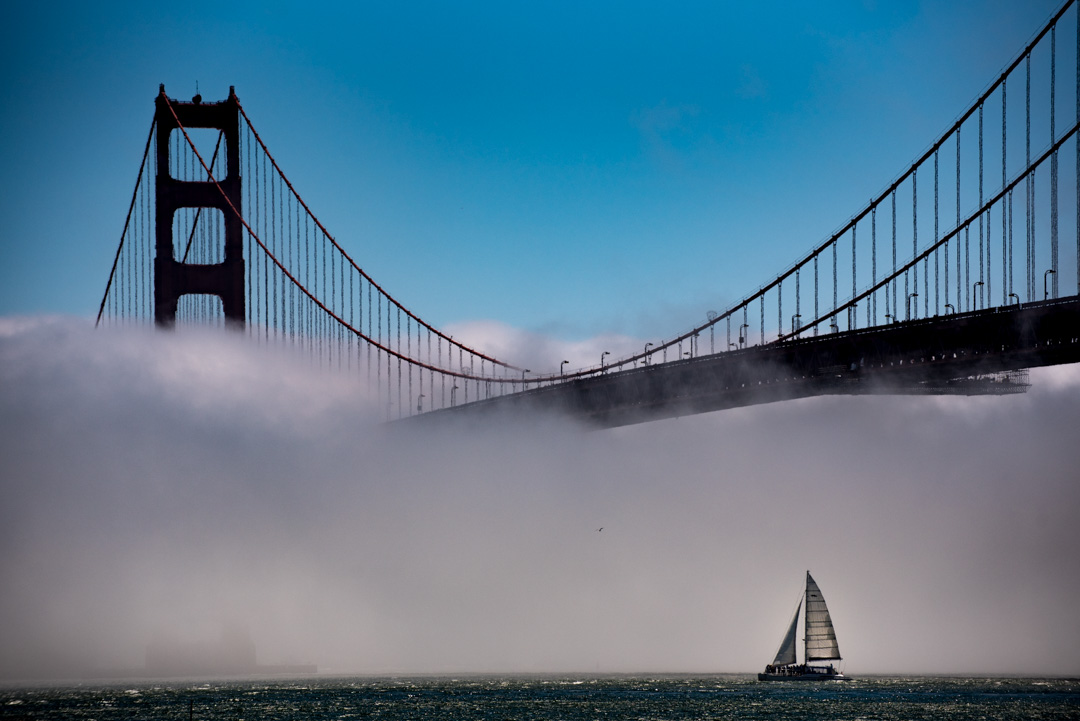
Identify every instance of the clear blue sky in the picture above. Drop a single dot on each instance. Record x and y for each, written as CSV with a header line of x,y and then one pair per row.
x,y
565,168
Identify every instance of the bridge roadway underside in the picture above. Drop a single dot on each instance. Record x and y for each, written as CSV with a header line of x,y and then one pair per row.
x,y
933,356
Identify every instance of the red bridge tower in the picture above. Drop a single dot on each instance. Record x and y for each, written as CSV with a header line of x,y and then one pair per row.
x,y
173,278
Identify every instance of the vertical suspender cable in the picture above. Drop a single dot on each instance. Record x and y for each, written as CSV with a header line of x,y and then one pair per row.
x,y
398,349
914,239
1030,199
908,279
1053,169
264,232
378,354
834,284
274,244
331,341
266,260
369,333
249,259
352,307
299,305
408,346
895,308
179,217
341,292
141,238
125,286
129,276
1006,239
937,236
307,284
967,268
968,289
253,186
1011,219
779,309
873,267
989,275
982,279
854,290
149,209
959,281
294,266
798,303
324,334
389,360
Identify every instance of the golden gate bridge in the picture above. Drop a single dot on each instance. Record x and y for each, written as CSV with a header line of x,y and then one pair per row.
x,y
936,302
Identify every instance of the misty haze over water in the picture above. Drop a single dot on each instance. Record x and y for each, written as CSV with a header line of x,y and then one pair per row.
x,y
173,485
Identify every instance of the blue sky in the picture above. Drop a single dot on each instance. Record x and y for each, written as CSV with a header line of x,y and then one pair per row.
x,y
564,168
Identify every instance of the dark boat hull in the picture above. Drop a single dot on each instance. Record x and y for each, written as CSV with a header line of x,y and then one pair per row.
x,y
804,674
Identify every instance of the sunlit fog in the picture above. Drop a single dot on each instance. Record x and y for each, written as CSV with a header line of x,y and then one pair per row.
x,y
179,488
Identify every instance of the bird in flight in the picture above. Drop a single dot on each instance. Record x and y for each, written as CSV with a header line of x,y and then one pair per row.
x,y
599,529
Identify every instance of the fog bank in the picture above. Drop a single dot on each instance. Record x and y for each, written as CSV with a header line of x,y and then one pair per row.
x,y
172,485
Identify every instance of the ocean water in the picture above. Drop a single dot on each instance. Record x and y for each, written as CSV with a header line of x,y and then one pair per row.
x,y
519,697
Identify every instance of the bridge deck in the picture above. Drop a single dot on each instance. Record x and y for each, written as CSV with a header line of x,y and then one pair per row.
x,y
931,356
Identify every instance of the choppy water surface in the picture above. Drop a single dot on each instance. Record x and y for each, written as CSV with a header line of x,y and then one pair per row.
x,y
616,697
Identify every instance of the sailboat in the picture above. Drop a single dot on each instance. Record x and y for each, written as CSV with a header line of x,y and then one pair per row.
x,y
820,642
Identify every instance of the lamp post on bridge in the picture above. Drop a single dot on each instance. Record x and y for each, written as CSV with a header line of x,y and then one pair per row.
x,y
523,372
420,403
950,305
605,353
452,390
1046,293
908,308
646,361
467,372
1014,295
561,367
743,341
977,284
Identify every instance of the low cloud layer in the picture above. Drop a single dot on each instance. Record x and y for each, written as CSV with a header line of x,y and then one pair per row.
x,y
162,484
542,352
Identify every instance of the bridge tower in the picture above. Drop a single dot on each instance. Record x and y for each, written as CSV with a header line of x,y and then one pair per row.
x,y
173,278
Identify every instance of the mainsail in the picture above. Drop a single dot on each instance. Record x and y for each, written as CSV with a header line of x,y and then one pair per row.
x,y
786,655
820,637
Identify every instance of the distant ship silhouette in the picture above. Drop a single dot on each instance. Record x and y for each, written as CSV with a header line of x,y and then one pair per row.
x,y
233,654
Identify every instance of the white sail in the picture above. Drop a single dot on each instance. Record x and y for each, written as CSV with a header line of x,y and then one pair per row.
x,y
786,655
820,638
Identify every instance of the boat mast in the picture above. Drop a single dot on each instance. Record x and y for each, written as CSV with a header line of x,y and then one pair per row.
x,y
806,621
